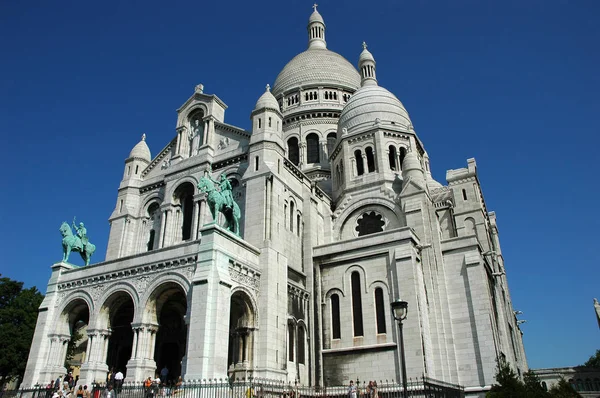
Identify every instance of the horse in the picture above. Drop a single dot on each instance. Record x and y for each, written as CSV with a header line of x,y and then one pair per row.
x,y
216,204
71,242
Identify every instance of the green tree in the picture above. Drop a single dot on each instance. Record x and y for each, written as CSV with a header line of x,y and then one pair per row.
x,y
563,390
533,386
594,361
18,316
509,385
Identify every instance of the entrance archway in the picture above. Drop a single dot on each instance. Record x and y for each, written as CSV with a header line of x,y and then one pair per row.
x,y
75,319
120,309
168,306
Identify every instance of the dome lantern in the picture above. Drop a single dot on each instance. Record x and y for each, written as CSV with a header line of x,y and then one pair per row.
x,y
316,30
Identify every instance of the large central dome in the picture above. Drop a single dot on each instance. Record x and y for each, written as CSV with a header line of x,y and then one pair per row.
x,y
317,66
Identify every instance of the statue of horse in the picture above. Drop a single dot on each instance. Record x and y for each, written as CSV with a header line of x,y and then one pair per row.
x,y
217,203
71,242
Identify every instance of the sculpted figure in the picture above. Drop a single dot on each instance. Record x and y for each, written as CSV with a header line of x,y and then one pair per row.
x,y
81,232
77,243
221,200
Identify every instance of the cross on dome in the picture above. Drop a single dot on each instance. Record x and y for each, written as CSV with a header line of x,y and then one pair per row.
x,y
364,45
268,87
144,137
315,6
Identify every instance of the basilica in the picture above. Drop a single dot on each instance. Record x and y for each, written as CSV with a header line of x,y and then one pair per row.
x,y
277,252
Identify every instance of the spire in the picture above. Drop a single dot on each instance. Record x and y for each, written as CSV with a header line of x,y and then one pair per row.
x,y
143,136
366,66
316,30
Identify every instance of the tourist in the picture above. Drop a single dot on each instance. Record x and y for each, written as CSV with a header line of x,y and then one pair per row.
x,y
109,392
86,393
119,381
164,373
352,391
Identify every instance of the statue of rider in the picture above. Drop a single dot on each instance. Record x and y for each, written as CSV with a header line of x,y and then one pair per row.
x,y
226,189
224,185
82,233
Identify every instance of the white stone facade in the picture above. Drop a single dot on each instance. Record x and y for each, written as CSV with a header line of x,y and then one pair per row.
x,y
340,216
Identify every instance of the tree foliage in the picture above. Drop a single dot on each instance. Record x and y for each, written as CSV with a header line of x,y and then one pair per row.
x,y
18,316
594,361
508,383
533,386
563,390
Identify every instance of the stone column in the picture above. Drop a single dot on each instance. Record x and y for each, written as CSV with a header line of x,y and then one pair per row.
x,y
152,330
51,350
195,215
324,157
302,148
161,231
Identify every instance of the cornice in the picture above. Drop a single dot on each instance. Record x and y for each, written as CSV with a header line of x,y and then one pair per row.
x,y
125,274
159,157
151,187
233,160
232,129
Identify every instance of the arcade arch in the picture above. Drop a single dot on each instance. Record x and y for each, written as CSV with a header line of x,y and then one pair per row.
x,y
115,317
167,307
241,333
71,330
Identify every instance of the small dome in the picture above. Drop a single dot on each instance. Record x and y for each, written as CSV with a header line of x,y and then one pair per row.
x,y
141,150
267,100
315,17
373,104
317,67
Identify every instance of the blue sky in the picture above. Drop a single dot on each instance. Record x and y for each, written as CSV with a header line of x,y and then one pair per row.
x,y
512,83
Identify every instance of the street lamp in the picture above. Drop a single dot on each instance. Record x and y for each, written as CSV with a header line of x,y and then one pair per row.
x,y
400,310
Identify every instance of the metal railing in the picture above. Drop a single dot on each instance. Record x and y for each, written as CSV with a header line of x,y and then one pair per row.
x,y
260,388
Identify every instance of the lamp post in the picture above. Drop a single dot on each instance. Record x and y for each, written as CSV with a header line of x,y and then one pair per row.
x,y
400,310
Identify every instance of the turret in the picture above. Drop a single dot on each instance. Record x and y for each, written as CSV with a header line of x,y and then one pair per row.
x,y
366,66
412,168
139,158
266,118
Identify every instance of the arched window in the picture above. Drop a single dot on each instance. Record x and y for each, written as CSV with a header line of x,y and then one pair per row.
x,y
301,339
291,343
291,216
357,305
392,157
464,193
312,148
298,224
380,311
402,156
269,121
370,159
151,240
154,222
335,317
259,122
137,167
360,168
188,210
184,194
293,151
330,143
